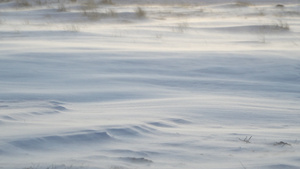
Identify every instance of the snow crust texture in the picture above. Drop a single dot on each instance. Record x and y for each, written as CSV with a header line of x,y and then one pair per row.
x,y
128,84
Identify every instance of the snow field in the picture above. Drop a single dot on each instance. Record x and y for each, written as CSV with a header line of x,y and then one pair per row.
x,y
191,84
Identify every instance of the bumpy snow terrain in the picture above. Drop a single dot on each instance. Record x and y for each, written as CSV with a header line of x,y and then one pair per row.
x,y
138,84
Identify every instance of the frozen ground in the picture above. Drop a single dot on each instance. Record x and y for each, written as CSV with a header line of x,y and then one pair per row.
x,y
149,84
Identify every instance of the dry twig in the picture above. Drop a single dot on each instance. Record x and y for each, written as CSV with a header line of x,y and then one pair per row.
x,y
246,140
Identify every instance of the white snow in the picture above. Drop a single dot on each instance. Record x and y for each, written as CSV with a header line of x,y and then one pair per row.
x,y
191,84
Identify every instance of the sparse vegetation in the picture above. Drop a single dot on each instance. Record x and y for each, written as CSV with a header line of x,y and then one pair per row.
x,y
111,13
140,12
22,3
281,143
243,4
261,12
282,25
279,6
275,27
246,139
192,57
89,5
90,10
39,2
242,165
62,8
93,15
107,2
72,28
53,167
181,27
4,1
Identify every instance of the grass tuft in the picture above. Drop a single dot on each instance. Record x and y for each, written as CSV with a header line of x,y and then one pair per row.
x,y
72,28
181,27
62,8
22,3
140,12
282,25
107,2
89,5
242,4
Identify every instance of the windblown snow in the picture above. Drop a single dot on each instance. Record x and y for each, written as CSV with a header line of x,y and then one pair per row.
x,y
138,84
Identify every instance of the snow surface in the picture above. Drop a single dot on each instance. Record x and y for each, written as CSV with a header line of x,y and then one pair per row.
x,y
179,84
